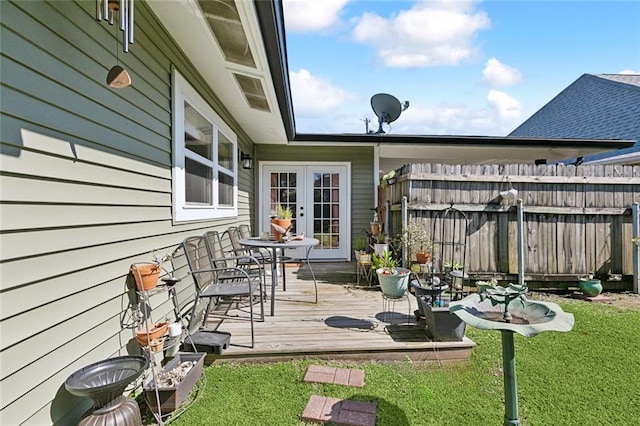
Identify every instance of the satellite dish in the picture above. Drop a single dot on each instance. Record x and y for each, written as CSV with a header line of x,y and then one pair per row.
x,y
387,108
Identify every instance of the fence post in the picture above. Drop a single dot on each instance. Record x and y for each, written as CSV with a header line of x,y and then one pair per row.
x,y
635,218
404,232
520,242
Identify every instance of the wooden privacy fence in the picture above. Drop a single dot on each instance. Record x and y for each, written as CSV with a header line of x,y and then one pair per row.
x,y
577,219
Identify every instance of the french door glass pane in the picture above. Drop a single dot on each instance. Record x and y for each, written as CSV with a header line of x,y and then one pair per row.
x,y
198,183
326,209
284,192
198,132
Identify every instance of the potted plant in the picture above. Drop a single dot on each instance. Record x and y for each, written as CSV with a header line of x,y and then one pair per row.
x,y
146,274
442,325
173,385
281,223
359,250
393,280
419,245
381,245
590,286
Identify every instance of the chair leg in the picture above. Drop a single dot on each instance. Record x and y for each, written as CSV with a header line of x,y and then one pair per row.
x,y
251,318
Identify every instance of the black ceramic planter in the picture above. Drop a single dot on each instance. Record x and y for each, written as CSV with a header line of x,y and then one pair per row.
x,y
442,325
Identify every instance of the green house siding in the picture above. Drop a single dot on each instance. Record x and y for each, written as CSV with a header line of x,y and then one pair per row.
x,y
86,191
361,159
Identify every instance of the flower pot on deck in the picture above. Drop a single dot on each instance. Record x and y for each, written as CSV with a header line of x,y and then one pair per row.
x,y
422,257
393,284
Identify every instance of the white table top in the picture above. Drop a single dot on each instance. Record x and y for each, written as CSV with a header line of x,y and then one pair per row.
x,y
257,242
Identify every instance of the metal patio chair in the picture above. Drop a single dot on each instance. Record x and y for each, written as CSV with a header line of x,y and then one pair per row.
x,y
215,280
261,254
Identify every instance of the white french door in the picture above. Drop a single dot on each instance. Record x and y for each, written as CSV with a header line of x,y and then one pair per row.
x,y
318,195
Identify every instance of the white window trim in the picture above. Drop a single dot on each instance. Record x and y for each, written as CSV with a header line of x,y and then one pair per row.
x,y
182,212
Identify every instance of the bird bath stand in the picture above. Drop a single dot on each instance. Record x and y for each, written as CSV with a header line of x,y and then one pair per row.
x,y
104,382
491,309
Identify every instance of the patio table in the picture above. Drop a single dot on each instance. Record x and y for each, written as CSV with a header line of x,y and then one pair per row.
x,y
274,246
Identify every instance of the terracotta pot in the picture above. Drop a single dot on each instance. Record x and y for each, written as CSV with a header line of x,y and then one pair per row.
x,y
146,275
422,257
156,330
284,223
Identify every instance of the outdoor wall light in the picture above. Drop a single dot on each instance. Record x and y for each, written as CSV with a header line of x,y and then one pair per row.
x,y
246,161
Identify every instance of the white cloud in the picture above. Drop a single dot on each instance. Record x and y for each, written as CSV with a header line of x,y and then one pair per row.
x,y
311,15
447,119
316,96
629,72
497,74
429,34
506,107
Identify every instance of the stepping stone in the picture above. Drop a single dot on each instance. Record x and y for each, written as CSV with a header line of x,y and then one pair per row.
x,y
341,412
339,376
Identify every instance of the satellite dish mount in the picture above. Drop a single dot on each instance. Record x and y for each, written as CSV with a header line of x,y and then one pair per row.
x,y
387,108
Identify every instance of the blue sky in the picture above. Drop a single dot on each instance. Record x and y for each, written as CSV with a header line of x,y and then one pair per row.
x,y
466,67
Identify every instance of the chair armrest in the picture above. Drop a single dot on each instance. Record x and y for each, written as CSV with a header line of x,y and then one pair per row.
x,y
226,268
243,257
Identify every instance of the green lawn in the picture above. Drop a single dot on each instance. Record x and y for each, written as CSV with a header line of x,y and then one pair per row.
x,y
588,376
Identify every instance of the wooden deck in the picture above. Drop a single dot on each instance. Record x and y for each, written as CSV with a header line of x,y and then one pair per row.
x,y
347,323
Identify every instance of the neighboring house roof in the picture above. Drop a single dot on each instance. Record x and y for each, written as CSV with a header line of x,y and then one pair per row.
x,y
604,106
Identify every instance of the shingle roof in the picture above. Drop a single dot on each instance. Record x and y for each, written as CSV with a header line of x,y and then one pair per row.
x,y
605,106
597,107
633,79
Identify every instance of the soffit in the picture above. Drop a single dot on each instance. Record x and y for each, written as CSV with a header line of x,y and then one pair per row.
x,y
239,73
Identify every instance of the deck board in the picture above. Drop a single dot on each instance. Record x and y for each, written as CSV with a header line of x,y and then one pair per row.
x,y
347,323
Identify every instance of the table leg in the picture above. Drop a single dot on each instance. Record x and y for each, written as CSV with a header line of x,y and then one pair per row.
x,y
274,279
315,283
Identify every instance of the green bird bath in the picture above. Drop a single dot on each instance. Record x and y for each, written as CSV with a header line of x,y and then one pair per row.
x,y
507,310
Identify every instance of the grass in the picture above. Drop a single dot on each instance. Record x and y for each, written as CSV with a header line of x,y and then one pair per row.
x,y
587,376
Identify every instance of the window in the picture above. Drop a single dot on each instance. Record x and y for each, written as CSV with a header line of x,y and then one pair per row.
x,y
204,158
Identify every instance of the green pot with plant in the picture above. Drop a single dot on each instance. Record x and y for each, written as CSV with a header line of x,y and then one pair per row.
x,y
281,223
393,280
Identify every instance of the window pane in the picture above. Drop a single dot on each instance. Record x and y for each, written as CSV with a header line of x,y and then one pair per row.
x,y
198,183
198,132
225,190
225,152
